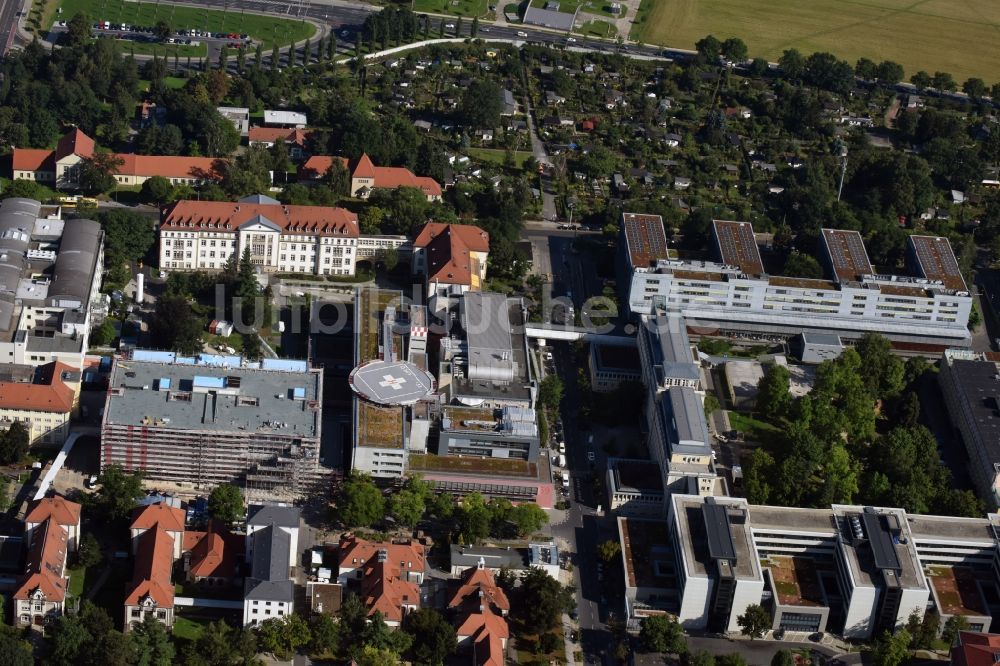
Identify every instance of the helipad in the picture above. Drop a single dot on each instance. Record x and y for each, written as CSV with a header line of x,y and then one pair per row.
x,y
391,383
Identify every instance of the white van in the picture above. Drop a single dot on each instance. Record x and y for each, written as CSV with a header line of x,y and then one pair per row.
x,y
562,460
562,447
565,479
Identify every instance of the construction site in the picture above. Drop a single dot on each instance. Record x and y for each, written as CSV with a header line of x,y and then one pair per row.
x,y
196,422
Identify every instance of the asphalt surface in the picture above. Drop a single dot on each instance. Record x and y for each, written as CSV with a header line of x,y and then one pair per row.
x,y
9,11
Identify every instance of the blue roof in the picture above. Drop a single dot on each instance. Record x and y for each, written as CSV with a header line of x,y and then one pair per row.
x,y
219,360
209,382
286,364
299,393
163,383
154,356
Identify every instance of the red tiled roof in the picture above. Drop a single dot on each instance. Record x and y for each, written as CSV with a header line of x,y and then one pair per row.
x,y
488,648
47,393
297,136
384,591
59,508
159,514
976,649
153,563
169,166
448,249
213,553
46,561
312,220
389,178
33,159
316,166
364,168
74,142
355,552
477,585
476,623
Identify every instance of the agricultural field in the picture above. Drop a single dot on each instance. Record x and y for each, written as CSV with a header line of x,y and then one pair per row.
x,y
264,29
962,38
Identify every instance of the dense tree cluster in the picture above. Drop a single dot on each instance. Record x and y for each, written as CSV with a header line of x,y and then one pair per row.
x,y
14,442
830,449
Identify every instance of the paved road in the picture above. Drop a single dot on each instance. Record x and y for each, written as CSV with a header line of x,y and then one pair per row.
x,y
9,10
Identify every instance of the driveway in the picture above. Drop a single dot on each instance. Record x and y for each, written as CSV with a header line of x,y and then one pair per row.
x,y
538,152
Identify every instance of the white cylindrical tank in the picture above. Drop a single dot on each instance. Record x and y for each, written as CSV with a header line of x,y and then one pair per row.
x,y
139,284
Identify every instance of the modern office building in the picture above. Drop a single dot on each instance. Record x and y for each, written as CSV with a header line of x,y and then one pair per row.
x,y
851,570
734,295
205,420
635,488
50,276
483,361
611,366
509,432
970,383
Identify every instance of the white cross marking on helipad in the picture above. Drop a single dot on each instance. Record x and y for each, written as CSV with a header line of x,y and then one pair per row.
x,y
396,383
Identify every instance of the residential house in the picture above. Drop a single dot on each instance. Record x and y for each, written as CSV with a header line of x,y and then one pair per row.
x,y
151,592
366,178
56,168
41,398
272,550
681,183
479,608
282,118
976,649
212,557
451,257
296,139
508,103
65,513
40,595
158,516
554,99
60,168
317,166
672,140
388,575
238,116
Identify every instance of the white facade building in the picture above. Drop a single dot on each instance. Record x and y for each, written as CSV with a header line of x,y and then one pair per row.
x,y
735,295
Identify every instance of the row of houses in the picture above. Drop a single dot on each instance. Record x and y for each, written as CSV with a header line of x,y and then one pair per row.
x,y
61,167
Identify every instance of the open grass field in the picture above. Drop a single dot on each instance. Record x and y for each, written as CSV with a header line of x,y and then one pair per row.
x,y
496,156
960,37
466,8
264,29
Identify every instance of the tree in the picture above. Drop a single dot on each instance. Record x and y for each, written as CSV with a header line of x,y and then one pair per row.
x,y
474,31
701,658
152,643
325,634
608,550
14,651
709,48
78,30
889,73
773,395
660,633
802,265
542,600
550,391
361,503
117,492
733,659
226,503
162,30
97,172
14,443
952,627
866,69
157,190
892,649
372,656
783,658
759,67
884,371
921,79
128,235
338,178
792,64
481,104
283,636
527,518
89,553
975,88
175,326
734,49
943,81
221,645
434,638
754,622
249,173
406,507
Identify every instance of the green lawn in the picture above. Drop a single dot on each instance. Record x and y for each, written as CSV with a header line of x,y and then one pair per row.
x,y
466,8
77,578
265,29
598,29
753,430
570,6
187,628
496,156
129,47
933,35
